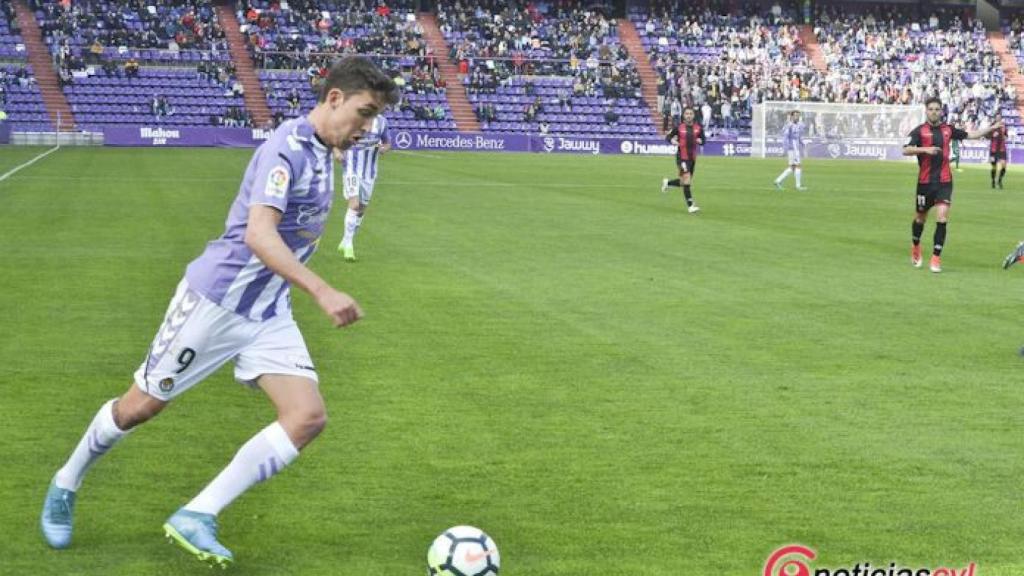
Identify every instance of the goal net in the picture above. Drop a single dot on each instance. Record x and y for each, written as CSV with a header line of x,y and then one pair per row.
x,y
836,130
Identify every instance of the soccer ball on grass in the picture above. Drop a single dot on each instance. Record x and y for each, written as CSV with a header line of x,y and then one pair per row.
x,y
463,551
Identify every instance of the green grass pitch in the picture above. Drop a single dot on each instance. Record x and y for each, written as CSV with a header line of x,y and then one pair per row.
x,y
553,351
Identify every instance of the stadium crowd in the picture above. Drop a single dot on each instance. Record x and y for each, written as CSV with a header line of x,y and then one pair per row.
x,y
882,57
719,56
723,62
299,34
94,30
493,42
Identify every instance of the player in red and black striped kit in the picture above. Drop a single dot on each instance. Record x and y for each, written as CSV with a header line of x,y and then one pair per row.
x,y
689,135
930,142
997,152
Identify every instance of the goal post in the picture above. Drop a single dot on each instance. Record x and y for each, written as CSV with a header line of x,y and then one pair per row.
x,y
836,130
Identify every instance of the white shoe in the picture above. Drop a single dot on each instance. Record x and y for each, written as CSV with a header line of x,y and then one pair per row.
x,y
664,185
693,209
801,187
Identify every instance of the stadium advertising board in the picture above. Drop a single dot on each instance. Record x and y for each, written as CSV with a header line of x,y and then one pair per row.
x,y
183,136
415,140
970,152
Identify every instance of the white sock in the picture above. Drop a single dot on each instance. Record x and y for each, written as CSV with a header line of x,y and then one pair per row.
x,y
99,438
352,221
259,459
797,174
785,174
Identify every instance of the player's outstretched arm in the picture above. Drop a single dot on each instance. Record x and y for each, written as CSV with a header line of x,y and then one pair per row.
x,y
976,134
262,238
917,150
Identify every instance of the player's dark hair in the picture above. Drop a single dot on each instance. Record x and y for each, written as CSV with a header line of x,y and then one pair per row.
x,y
353,74
934,99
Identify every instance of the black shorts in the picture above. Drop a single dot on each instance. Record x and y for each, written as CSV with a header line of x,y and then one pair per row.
x,y
929,195
994,157
687,166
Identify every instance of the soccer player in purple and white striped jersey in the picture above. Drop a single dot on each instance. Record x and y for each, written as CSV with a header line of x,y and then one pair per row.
x,y
359,176
234,304
793,145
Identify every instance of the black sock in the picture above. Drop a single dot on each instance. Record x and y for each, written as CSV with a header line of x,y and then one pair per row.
x,y
993,174
686,193
915,232
674,182
939,239
1002,172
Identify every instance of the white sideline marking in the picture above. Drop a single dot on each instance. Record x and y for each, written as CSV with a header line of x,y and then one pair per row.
x,y
415,153
11,172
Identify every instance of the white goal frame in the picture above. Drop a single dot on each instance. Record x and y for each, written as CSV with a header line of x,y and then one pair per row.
x,y
761,137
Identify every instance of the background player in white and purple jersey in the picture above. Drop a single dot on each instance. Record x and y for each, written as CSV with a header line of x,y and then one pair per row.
x,y
359,176
793,145
234,304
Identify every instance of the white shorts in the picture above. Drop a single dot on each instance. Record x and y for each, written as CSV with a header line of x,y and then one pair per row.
x,y
198,337
794,157
357,186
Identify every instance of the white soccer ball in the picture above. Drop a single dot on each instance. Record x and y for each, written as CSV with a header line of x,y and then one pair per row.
x,y
463,551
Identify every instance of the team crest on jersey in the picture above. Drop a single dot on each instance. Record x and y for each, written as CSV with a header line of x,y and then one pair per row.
x,y
277,182
166,385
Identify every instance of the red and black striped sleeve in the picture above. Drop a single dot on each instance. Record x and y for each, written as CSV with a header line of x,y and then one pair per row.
x,y
915,137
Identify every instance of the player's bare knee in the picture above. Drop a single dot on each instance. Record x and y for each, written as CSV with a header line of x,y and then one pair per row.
x,y
315,423
131,410
128,419
304,424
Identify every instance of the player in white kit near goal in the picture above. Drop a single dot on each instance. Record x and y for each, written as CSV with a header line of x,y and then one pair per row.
x,y
793,144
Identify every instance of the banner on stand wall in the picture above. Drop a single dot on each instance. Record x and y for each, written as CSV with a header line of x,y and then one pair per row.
x,y
970,152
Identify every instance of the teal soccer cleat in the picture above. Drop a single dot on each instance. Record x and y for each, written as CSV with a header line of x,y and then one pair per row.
x,y
1014,257
197,534
58,513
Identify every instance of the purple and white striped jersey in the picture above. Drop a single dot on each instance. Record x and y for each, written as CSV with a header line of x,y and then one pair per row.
x,y
292,172
361,159
793,136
